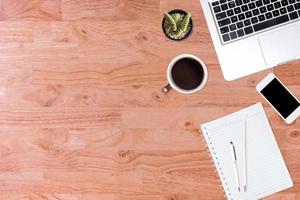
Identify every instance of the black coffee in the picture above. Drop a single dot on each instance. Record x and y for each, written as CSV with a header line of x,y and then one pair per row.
x,y
187,73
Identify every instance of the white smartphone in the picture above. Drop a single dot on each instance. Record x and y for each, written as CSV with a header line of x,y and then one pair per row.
x,y
280,98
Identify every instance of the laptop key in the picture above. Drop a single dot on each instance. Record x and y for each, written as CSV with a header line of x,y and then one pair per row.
x,y
247,22
252,6
225,29
232,27
266,2
283,11
240,33
233,35
240,24
292,1
248,14
269,15
241,16
284,3
275,13
226,38
263,9
293,15
230,13
231,4
270,7
277,5
224,7
222,1
224,22
215,3
221,15
254,20
261,17
297,6
270,23
217,9
237,10
234,19
259,3
255,12
245,8
248,30
238,2
290,8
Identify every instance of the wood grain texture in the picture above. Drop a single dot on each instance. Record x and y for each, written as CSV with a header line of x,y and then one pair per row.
x,y
30,10
82,115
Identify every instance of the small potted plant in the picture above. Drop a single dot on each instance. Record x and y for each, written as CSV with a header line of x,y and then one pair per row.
x,y
177,24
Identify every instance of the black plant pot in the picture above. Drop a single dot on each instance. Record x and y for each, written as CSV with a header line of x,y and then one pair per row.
x,y
180,12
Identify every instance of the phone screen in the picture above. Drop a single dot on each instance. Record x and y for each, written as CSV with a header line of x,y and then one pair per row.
x,y
280,98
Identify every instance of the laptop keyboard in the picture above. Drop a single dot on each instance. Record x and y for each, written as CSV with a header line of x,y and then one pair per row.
x,y
236,19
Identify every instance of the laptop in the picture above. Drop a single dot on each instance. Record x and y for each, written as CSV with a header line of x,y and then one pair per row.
x,y
253,35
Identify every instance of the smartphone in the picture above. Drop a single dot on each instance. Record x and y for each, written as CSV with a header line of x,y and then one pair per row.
x,y
280,98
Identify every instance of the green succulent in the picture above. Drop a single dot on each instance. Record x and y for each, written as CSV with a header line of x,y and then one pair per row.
x,y
176,18
184,24
171,21
177,25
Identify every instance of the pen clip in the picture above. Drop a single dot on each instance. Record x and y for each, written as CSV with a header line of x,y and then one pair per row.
x,y
233,151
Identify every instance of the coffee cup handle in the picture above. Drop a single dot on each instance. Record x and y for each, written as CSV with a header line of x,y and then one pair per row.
x,y
166,89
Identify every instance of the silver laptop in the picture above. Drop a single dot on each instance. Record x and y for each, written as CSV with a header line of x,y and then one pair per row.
x,y
253,35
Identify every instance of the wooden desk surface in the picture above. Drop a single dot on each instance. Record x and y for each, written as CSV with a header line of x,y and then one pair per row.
x,y
82,116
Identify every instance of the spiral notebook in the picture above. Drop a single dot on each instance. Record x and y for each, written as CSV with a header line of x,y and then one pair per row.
x,y
266,171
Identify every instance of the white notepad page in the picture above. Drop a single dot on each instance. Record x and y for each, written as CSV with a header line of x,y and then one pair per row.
x,y
266,170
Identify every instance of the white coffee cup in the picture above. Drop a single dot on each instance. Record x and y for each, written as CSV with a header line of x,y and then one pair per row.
x,y
173,85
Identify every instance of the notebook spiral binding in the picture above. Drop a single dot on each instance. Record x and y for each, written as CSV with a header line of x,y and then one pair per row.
x,y
217,164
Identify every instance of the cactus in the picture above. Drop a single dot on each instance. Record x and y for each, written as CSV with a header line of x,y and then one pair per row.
x,y
176,18
177,25
184,24
171,21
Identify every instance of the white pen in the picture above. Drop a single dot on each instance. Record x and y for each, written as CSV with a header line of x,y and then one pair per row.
x,y
234,159
245,156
